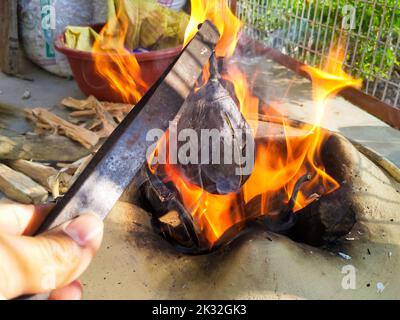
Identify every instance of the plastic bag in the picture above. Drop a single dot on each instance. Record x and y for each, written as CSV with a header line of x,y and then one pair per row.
x,y
41,21
80,38
150,26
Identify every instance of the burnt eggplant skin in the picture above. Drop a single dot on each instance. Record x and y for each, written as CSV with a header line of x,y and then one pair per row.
x,y
212,107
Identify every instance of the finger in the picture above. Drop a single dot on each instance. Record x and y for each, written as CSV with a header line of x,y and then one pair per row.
x,y
18,219
50,261
73,291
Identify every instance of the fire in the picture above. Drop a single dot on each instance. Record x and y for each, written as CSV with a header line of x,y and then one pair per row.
x,y
248,104
279,163
117,64
204,78
219,13
120,67
214,213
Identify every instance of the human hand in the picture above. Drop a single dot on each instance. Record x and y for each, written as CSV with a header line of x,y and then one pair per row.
x,y
50,262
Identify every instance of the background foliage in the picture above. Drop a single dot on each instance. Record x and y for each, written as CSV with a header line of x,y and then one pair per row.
x,y
371,43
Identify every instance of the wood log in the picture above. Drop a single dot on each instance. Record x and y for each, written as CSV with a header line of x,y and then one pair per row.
x,y
80,166
36,171
106,119
85,137
18,187
68,174
171,225
78,104
10,53
41,148
88,106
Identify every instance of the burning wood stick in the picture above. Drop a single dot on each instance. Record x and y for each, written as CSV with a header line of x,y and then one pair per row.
x,y
172,224
21,188
286,217
85,137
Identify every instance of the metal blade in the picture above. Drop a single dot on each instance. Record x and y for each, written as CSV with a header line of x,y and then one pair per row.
x,y
117,162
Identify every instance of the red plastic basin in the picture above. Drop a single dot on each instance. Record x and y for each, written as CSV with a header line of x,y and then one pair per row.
x,y
152,64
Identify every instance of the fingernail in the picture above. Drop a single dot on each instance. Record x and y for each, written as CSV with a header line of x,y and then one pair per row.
x,y
84,229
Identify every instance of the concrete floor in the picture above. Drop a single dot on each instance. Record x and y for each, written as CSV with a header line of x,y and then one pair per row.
x,y
46,91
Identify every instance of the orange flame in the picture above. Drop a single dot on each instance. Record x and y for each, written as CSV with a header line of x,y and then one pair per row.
x,y
213,213
248,104
219,13
280,161
117,64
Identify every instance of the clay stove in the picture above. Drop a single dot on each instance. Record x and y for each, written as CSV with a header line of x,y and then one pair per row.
x,y
323,214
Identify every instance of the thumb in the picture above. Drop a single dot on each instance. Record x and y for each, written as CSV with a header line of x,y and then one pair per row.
x,y
49,261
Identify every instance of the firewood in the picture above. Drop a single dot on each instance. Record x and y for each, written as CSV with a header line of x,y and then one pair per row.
x,y
105,114
121,107
85,137
87,106
81,165
93,124
106,119
21,188
10,49
79,104
59,183
119,116
36,171
92,112
172,219
82,113
171,224
68,174
41,148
